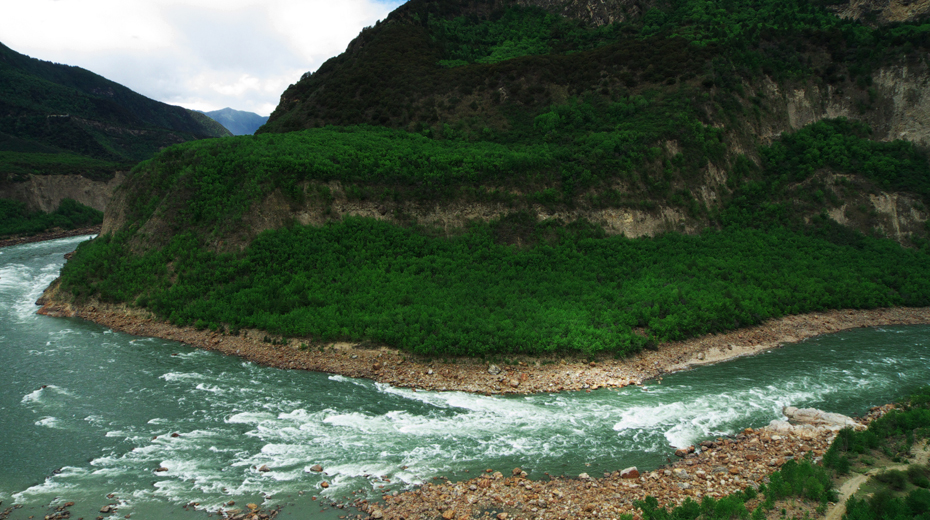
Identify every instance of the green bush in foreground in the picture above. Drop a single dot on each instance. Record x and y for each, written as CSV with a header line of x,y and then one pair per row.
x,y
574,291
16,220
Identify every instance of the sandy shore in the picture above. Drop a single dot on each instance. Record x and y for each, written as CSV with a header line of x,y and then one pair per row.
x,y
518,375
51,235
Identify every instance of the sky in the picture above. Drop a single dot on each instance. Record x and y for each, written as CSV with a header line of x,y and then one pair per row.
x,y
199,54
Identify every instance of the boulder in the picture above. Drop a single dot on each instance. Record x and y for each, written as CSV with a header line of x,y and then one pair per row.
x,y
316,468
494,370
630,472
820,419
264,469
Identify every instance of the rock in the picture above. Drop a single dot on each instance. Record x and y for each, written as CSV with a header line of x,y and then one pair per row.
x,y
584,476
494,370
630,472
161,470
377,514
324,485
107,509
253,507
820,419
316,468
503,516
264,469
681,452
734,470
701,356
376,367
449,514
516,471
514,383
175,435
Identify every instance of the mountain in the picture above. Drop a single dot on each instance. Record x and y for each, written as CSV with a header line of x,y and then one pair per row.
x,y
499,177
48,108
237,121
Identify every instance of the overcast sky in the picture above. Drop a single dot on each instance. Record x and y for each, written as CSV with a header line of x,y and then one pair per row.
x,y
200,54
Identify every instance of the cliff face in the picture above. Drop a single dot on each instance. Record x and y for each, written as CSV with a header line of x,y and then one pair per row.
x,y
45,192
884,11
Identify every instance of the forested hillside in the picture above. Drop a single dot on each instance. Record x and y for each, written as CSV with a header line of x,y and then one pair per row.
x,y
484,177
61,119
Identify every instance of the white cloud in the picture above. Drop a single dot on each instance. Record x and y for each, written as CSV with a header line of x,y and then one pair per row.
x,y
202,54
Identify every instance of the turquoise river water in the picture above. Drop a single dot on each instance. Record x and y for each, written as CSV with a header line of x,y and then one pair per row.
x,y
86,412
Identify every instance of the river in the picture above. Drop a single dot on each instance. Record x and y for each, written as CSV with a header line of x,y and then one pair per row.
x,y
87,412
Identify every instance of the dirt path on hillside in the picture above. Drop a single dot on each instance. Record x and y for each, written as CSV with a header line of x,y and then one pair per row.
x,y
850,486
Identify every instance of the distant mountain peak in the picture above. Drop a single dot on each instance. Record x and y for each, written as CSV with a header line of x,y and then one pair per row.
x,y
237,121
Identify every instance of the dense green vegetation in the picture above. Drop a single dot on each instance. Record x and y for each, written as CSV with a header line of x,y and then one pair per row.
x,y
794,480
15,219
575,291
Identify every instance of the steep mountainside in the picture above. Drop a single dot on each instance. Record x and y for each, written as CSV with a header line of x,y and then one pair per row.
x,y
468,177
237,121
86,120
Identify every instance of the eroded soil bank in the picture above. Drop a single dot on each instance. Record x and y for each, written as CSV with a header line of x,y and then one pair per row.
x,y
517,375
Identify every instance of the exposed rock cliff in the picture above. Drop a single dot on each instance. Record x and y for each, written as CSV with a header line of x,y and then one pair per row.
x,y
45,192
884,11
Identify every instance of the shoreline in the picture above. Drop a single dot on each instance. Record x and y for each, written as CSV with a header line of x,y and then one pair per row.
x,y
520,375
49,235
715,468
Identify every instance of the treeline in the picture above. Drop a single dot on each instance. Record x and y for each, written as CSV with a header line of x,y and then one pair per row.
x,y
18,165
574,291
15,219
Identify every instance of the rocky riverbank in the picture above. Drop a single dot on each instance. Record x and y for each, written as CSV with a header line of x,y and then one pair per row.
x,y
517,375
715,468
51,235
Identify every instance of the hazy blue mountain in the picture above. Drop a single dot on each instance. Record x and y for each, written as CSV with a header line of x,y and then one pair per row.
x,y
237,121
